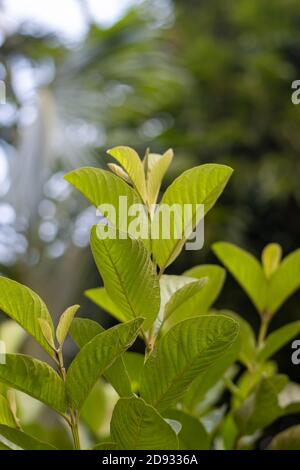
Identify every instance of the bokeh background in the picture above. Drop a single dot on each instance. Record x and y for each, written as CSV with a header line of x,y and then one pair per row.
x,y
209,78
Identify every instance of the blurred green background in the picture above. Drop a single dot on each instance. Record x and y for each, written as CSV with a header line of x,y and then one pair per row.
x,y
211,79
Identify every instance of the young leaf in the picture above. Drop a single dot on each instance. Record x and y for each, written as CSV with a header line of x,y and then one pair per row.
x,y
6,416
157,166
199,185
127,270
23,440
118,170
186,350
25,307
82,331
101,298
130,161
271,257
65,323
192,435
47,332
96,357
35,378
246,270
216,277
137,426
175,309
284,282
103,187
278,339
289,439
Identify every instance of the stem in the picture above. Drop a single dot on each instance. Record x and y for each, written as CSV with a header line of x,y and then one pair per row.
x,y
263,329
74,429
72,420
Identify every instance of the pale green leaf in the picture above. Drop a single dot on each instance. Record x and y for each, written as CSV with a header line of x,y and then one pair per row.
x,y
6,416
284,282
102,187
278,339
23,440
157,166
176,309
136,425
209,293
47,332
82,331
65,323
134,363
129,275
246,270
192,435
35,378
96,357
200,185
289,439
101,298
25,307
271,257
118,170
130,161
186,350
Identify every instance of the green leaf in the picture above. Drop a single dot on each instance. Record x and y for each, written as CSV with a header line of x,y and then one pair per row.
x,y
247,350
138,426
94,410
4,447
65,323
186,350
192,435
176,309
35,378
130,161
261,408
23,440
284,282
156,167
47,332
289,439
96,357
106,446
246,270
271,257
216,277
101,298
82,331
278,339
25,307
206,380
6,416
102,187
134,363
129,275
200,185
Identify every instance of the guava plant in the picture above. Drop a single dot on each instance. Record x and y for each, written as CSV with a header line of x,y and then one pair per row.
x,y
167,397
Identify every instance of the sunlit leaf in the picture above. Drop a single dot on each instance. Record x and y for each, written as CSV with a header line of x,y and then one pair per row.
x,y
25,307
127,271
271,257
278,339
65,323
200,185
101,298
156,168
6,416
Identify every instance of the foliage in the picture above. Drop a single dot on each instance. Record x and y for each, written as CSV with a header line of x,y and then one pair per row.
x,y
168,397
